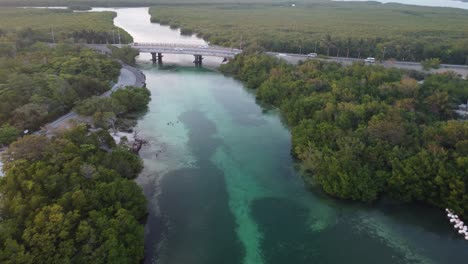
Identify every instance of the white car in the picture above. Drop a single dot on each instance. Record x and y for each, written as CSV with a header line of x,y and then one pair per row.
x,y
312,55
369,60
281,54
203,46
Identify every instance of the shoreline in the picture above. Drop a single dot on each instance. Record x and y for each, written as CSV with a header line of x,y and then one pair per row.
x,y
129,76
140,81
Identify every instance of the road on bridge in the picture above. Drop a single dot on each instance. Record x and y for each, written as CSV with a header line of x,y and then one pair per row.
x,y
203,50
217,51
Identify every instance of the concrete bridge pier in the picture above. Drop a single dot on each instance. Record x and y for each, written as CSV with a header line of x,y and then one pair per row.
x,y
160,58
198,60
156,57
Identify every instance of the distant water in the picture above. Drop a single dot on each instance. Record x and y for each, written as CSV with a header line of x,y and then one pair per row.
x,y
223,187
441,3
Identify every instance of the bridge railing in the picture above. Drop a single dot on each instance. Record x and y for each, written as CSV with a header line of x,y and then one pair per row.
x,y
178,45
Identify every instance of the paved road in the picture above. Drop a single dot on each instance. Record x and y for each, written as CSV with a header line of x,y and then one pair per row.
x,y
295,58
289,57
128,76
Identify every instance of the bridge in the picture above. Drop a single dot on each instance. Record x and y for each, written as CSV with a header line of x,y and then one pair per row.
x,y
198,51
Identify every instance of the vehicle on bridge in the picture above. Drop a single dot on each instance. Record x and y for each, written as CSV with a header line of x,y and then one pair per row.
x,y
312,55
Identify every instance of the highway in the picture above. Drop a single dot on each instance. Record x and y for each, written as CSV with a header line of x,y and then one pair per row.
x,y
217,51
296,58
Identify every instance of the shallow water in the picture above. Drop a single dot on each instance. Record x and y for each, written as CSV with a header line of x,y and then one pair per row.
x,y
223,188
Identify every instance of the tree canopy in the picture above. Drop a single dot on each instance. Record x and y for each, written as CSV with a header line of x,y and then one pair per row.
x,y
70,199
331,28
122,103
59,25
365,131
40,83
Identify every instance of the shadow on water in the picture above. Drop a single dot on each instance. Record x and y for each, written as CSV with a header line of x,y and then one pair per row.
x,y
287,238
199,225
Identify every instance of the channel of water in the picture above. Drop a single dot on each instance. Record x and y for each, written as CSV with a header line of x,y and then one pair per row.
x,y
223,188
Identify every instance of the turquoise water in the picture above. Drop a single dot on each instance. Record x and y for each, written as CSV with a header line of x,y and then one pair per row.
x,y
223,188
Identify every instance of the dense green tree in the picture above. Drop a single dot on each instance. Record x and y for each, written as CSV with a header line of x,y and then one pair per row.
x,y
26,26
365,131
65,200
41,83
106,110
132,99
125,54
331,28
8,134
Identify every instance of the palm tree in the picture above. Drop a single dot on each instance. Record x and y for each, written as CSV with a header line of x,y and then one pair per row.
x,y
349,43
339,43
360,44
329,42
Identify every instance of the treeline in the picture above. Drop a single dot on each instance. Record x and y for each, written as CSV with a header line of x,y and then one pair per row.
x,y
365,132
40,83
129,3
79,7
59,25
70,199
357,30
80,3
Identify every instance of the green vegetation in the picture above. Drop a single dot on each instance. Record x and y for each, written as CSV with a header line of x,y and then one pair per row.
x,y
41,83
428,64
366,131
8,134
345,29
59,26
115,3
125,54
106,110
70,199
79,7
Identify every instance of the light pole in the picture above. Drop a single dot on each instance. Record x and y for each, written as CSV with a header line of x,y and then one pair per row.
x,y
383,54
315,46
466,63
300,47
120,43
53,35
